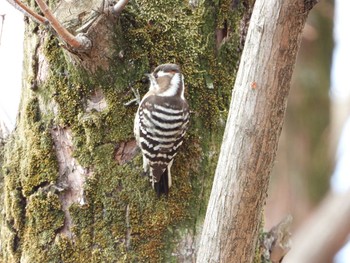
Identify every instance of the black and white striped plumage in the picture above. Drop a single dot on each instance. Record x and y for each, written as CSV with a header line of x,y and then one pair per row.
x,y
160,124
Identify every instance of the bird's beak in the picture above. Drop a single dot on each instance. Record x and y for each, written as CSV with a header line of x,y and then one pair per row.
x,y
151,78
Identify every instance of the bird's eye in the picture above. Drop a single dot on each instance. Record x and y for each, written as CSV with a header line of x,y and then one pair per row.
x,y
155,75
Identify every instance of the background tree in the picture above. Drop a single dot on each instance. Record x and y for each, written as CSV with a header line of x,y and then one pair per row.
x,y
254,124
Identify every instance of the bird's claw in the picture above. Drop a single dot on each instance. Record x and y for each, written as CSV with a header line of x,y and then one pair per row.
x,y
134,100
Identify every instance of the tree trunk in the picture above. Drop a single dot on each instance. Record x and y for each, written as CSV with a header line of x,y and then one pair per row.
x,y
258,104
71,184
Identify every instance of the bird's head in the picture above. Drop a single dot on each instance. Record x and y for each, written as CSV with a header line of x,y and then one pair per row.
x,y
166,80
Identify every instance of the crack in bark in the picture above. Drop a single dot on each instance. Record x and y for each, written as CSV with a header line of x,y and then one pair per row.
x,y
125,152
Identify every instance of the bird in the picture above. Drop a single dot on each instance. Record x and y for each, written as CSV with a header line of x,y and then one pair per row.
x,y
160,124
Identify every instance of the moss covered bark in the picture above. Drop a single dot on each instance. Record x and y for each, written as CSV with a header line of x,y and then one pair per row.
x,y
117,216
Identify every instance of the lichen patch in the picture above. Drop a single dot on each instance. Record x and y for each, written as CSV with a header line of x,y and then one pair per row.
x,y
72,175
97,101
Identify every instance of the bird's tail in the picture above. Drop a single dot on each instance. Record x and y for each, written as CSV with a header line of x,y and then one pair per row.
x,y
162,186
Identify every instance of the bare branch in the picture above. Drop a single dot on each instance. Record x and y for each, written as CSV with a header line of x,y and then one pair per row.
x,y
27,11
2,26
79,42
31,13
324,233
118,7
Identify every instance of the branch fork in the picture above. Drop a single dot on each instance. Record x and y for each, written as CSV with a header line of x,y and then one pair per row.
x,y
80,42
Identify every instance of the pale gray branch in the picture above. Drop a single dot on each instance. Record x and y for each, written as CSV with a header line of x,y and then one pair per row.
x,y
324,233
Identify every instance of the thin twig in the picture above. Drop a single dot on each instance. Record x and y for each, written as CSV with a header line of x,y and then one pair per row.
x,y
2,26
75,42
30,12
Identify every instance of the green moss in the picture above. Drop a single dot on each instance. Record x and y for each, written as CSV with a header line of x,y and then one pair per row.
x,y
44,217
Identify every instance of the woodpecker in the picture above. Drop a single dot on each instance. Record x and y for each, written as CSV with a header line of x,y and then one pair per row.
x,y
161,123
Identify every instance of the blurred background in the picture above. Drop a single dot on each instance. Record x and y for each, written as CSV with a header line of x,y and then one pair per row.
x,y
305,158
11,57
314,149
313,158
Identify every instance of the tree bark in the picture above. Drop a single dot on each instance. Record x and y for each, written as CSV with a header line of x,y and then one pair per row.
x,y
258,105
71,184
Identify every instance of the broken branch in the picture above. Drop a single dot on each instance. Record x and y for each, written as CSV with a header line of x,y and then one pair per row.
x,y
118,7
79,42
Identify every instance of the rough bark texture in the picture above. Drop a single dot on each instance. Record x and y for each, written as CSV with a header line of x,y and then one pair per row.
x,y
72,190
253,127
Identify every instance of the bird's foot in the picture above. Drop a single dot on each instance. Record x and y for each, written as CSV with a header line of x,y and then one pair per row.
x,y
137,98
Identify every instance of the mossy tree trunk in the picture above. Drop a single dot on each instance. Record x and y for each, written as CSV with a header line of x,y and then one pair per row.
x,y
72,190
